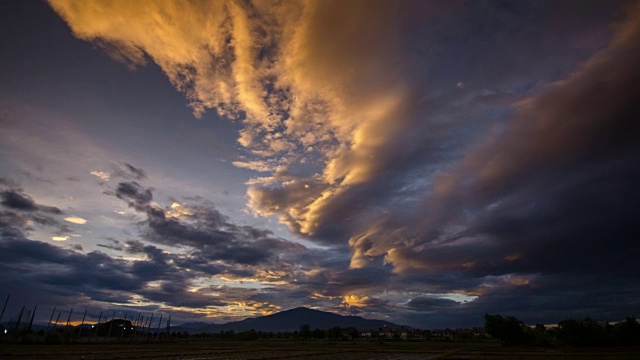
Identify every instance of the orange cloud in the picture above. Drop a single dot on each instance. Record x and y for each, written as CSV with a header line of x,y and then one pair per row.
x,y
305,77
356,300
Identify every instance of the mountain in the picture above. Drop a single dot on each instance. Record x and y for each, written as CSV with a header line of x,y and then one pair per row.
x,y
197,325
289,320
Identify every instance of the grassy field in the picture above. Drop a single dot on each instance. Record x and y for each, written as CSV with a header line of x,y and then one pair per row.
x,y
314,350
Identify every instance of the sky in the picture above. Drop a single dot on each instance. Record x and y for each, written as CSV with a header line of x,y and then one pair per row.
x,y
421,162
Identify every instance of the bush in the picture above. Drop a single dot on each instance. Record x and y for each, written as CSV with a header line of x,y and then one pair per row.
x,y
54,337
509,330
250,335
584,332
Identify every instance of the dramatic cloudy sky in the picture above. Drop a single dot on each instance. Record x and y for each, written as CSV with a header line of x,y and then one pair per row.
x,y
423,162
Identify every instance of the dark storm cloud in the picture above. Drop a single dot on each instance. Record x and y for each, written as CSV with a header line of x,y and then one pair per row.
x,y
205,229
547,299
111,247
127,171
22,213
7,182
134,246
430,303
550,191
212,245
499,48
134,195
176,295
137,173
65,267
586,218
539,220
16,200
218,247
72,276
62,276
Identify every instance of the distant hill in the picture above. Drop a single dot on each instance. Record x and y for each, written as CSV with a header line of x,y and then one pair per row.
x,y
289,320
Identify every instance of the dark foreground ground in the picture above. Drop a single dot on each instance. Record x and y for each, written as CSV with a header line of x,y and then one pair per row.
x,y
313,350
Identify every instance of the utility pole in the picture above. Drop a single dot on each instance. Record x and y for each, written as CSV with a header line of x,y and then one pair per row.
x,y
51,318
159,323
68,319
149,326
142,324
136,324
111,326
124,325
98,323
4,307
57,319
169,327
82,323
18,322
32,316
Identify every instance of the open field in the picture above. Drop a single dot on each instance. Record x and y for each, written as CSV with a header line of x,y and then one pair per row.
x,y
315,350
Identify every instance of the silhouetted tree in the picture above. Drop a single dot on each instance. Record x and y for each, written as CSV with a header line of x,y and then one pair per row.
x,y
318,334
249,335
626,333
509,330
305,331
584,332
334,333
540,336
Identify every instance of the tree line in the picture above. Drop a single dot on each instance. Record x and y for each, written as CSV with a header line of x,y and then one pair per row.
x,y
305,333
581,333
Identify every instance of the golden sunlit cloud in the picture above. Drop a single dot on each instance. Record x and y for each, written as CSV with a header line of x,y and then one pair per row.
x,y
59,238
305,99
178,210
102,175
311,82
253,165
355,300
76,220
253,307
322,296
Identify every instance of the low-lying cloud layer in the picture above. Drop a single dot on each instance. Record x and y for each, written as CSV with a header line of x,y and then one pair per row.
x,y
183,255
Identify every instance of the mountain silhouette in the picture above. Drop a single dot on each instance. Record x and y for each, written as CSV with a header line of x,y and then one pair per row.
x,y
289,320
